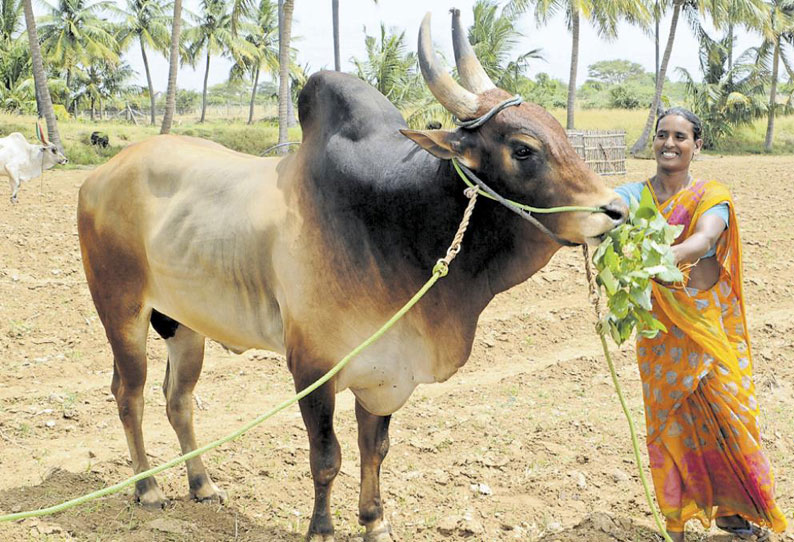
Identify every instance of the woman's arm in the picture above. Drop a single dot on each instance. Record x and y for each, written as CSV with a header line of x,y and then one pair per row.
x,y
707,232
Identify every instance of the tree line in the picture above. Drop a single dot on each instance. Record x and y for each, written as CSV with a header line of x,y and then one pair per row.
x,y
74,55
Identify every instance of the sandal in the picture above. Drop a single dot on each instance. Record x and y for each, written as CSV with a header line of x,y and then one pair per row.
x,y
746,531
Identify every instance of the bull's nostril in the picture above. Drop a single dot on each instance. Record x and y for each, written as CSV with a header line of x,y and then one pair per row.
x,y
616,210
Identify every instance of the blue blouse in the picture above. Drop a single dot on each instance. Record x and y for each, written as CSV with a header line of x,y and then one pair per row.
x,y
631,191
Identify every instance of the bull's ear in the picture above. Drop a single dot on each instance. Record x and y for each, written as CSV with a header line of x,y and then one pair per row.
x,y
440,143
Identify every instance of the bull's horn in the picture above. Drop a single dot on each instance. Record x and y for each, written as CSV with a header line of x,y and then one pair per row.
x,y
471,72
456,99
40,133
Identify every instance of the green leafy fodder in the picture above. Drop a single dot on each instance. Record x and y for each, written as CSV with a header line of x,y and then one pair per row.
x,y
630,256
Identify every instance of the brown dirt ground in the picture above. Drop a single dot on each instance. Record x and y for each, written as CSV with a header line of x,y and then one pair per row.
x,y
526,442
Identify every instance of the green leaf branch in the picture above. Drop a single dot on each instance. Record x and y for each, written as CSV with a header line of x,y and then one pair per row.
x,y
630,256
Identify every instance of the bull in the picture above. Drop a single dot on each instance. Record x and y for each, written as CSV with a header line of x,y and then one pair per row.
x,y
308,255
20,161
98,139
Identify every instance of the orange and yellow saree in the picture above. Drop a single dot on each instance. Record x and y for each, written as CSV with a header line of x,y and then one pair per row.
x,y
700,405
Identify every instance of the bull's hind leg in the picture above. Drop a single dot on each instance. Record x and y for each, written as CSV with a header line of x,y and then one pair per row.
x,y
116,278
325,454
128,342
185,359
373,445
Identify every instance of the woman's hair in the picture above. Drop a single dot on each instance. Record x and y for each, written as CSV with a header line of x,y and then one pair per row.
x,y
697,124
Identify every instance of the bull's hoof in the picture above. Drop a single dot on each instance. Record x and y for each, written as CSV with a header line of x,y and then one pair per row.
x,y
218,497
209,493
153,499
13,199
379,533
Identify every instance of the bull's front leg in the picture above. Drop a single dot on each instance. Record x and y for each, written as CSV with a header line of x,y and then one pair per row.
x,y
325,454
13,181
373,445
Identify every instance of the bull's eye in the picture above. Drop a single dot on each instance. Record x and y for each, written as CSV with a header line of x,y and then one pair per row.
x,y
52,151
523,152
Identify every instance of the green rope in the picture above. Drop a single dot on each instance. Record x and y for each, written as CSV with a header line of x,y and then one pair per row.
x,y
632,430
539,210
439,271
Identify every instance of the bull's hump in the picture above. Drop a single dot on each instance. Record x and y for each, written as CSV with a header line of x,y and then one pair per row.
x,y
333,102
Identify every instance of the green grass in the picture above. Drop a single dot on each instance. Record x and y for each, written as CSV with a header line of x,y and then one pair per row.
x,y
255,139
745,140
76,135
750,139
630,121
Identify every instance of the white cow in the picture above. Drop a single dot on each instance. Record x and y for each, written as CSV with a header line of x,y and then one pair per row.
x,y
20,161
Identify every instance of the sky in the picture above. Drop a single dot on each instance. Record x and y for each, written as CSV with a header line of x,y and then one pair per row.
x,y
312,37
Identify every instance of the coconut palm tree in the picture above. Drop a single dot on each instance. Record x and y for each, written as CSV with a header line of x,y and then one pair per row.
x,y
777,48
602,14
17,91
265,39
335,26
40,77
10,19
212,34
147,22
493,36
389,66
75,34
738,14
173,66
286,8
718,11
731,94
262,35
14,62
100,82
15,67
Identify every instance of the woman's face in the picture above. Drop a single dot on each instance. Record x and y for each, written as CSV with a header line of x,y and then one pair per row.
x,y
674,144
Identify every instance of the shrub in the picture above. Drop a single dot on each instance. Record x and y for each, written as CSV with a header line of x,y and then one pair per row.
x,y
80,153
624,97
60,112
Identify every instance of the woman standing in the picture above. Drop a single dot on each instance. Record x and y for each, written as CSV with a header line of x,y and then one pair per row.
x,y
700,405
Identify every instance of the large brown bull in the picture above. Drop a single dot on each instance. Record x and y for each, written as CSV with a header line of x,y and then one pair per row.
x,y
309,255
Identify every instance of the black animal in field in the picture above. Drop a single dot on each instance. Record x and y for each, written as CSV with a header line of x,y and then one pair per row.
x,y
98,139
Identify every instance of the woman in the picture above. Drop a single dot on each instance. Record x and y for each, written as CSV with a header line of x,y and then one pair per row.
x,y
700,406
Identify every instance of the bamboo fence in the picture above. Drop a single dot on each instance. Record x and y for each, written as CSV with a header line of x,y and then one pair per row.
x,y
603,150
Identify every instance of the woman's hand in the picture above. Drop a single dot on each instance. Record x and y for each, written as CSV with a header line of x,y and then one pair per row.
x,y
707,232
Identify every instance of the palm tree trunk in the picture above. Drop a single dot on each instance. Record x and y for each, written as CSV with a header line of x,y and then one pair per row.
x,y
69,103
253,97
335,17
656,46
173,64
770,125
657,17
40,76
642,142
204,94
149,82
291,118
656,40
574,66
39,101
285,29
